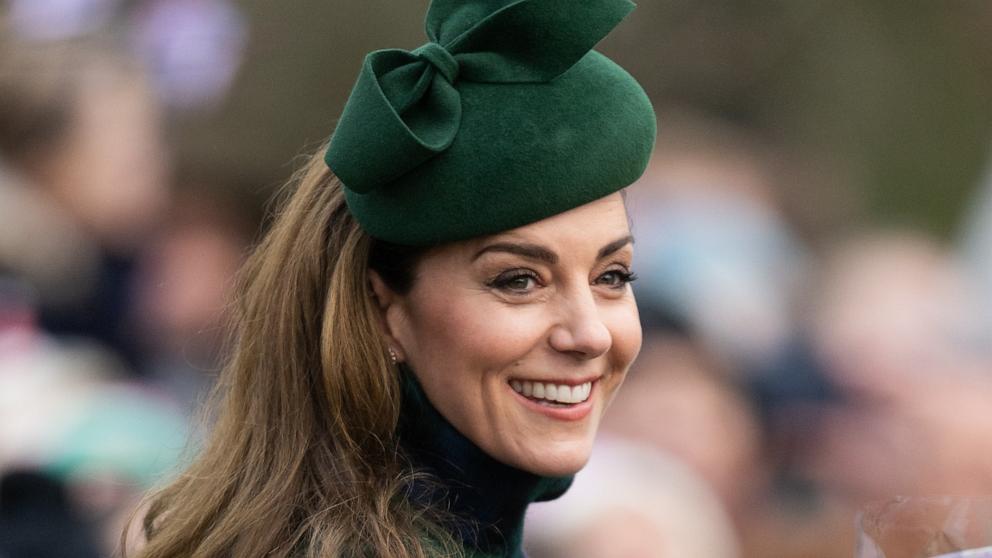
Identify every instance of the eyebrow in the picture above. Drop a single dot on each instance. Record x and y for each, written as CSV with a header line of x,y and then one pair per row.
x,y
614,246
540,253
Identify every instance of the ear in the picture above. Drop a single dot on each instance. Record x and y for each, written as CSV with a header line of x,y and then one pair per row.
x,y
392,314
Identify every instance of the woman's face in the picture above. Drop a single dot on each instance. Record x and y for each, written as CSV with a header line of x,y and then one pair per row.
x,y
498,327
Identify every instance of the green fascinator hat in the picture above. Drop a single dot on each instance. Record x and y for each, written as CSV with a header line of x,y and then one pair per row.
x,y
507,116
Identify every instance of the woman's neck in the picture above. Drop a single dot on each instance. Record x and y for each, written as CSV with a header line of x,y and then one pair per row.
x,y
491,497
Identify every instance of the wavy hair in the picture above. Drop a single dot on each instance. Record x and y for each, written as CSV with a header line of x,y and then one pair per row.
x,y
302,459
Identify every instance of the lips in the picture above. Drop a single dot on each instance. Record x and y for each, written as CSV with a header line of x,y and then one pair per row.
x,y
555,408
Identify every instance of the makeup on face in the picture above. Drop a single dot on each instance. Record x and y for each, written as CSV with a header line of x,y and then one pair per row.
x,y
521,339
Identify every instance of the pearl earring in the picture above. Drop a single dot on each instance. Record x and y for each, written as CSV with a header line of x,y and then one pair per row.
x,y
392,356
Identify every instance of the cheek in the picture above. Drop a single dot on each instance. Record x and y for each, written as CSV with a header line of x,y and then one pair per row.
x,y
473,333
625,327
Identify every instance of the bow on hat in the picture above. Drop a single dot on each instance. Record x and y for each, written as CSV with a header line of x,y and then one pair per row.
x,y
405,107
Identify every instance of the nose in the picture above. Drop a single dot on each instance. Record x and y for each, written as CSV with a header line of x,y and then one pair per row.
x,y
581,331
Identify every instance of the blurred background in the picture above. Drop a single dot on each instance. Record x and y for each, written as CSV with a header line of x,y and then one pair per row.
x,y
814,241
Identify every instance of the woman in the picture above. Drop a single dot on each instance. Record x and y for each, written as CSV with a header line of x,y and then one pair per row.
x,y
429,334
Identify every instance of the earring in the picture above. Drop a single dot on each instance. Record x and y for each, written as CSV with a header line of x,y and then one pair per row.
x,y
392,356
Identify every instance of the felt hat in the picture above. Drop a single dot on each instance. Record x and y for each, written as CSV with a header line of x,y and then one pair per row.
x,y
505,117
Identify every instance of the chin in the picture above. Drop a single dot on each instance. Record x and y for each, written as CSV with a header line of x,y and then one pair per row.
x,y
558,462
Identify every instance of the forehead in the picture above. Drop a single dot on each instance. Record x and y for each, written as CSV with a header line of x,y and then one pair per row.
x,y
584,228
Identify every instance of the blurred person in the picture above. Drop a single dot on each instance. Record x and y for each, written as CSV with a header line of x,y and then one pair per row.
x,y
678,401
718,251
632,500
67,419
82,181
184,283
896,326
901,407
725,275
81,187
126,440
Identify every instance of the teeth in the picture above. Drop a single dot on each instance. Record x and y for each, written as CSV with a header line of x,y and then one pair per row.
x,y
551,392
559,393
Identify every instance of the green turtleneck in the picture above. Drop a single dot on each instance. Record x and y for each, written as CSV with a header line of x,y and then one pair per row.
x,y
490,496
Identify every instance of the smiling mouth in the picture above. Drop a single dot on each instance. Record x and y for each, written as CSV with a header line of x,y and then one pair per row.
x,y
557,395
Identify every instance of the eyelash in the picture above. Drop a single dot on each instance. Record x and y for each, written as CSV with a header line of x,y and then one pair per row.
x,y
624,275
503,281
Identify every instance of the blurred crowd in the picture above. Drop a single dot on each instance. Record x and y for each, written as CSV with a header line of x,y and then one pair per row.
x,y
114,269
785,385
786,381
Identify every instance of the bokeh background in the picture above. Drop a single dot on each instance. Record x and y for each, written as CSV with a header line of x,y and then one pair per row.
x,y
814,246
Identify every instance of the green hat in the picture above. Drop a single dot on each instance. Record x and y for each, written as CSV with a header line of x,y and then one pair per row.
x,y
504,118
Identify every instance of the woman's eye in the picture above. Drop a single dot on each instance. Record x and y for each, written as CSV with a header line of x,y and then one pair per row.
x,y
617,278
518,283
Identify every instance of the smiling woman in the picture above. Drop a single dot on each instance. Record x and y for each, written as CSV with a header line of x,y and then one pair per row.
x,y
429,334
521,338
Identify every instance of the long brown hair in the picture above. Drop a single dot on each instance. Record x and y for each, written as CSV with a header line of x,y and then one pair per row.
x,y
302,459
